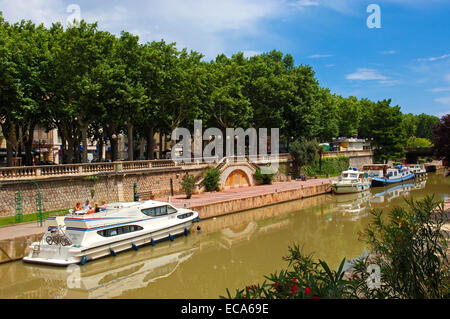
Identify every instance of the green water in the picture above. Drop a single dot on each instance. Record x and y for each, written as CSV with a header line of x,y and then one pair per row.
x,y
229,252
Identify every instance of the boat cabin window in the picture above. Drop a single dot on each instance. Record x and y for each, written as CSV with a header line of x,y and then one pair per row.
x,y
119,230
183,216
158,211
350,175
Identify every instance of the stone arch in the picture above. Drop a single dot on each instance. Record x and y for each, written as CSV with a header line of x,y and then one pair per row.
x,y
237,170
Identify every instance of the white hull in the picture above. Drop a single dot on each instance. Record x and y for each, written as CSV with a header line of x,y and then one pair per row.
x,y
350,188
91,246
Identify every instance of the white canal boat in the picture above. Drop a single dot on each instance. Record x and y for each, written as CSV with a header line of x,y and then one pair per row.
x,y
78,237
418,169
351,181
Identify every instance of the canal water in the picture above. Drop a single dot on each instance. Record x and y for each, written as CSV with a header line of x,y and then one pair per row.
x,y
229,252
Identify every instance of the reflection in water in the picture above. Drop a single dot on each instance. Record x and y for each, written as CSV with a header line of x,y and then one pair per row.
x,y
230,252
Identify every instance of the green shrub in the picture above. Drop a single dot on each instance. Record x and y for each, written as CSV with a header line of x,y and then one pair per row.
x,y
411,250
264,175
303,153
330,165
304,278
188,183
211,180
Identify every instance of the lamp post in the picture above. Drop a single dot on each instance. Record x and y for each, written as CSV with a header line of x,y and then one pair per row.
x,y
39,149
113,148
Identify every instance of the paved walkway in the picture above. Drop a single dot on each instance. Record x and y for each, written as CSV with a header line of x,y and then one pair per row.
x,y
241,192
20,230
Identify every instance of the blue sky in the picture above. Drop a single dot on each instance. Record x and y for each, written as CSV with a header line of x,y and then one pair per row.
x,y
407,59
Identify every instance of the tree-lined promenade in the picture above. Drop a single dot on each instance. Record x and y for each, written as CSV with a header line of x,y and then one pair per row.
x,y
91,84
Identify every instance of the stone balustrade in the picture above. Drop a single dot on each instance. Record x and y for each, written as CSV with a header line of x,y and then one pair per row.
x,y
48,171
348,153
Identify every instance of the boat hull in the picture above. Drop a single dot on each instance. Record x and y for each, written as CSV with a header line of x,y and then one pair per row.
x,y
351,188
378,181
63,255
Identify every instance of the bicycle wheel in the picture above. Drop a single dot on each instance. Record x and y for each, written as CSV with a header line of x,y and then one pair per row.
x,y
49,240
56,240
65,241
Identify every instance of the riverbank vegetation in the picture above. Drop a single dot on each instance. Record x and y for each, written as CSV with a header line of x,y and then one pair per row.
x,y
331,166
91,84
212,179
408,260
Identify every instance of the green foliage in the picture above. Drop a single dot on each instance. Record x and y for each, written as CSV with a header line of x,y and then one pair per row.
x,y
211,180
417,142
303,153
188,183
410,249
388,132
91,178
264,175
330,165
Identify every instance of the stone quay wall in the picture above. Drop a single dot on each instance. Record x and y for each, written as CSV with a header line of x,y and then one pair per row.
x,y
210,210
59,193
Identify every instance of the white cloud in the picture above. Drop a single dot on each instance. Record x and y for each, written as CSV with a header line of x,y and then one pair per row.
x,y
250,53
389,52
38,11
442,89
444,100
365,74
300,4
318,56
432,59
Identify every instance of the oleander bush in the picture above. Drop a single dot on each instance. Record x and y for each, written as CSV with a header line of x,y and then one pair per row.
x,y
188,183
212,179
407,261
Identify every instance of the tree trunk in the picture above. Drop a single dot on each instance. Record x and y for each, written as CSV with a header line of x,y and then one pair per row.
x,y
130,141
28,143
149,133
9,133
84,142
28,151
160,144
101,145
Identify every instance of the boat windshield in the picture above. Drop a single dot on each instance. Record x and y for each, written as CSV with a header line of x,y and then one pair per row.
x,y
349,175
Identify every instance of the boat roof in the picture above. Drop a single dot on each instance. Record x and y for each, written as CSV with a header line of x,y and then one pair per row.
x,y
352,171
376,165
146,203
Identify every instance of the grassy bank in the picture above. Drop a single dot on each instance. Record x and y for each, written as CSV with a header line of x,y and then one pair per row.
x,y
11,220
